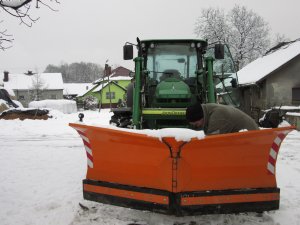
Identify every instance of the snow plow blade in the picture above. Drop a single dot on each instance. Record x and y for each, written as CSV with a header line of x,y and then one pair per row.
x,y
226,173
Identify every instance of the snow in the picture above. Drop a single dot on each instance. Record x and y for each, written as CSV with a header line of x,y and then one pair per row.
x,y
10,91
18,103
284,123
12,3
293,114
112,78
4,103
287,107
263,66
77,89
50,81
180,134
119,78
43,162
65,106
100,87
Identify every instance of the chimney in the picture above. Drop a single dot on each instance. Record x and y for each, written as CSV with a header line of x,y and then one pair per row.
x,y
5,79
107,70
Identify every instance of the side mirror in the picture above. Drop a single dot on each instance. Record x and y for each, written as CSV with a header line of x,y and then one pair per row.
x,y
219,51
234,83
127,52
131,74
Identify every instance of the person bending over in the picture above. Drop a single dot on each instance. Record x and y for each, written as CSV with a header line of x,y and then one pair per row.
x,y
218,119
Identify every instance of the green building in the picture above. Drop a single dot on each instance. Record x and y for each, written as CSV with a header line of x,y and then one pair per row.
x,y
111,90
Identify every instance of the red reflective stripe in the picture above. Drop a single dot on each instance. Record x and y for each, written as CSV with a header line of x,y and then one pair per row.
x,y
275,147
272,161
80,132
89,156
281,136
87,144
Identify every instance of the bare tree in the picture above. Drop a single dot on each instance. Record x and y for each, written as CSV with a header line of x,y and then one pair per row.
x,y
249,35
243,30
21,10
279,38
38,86
212,25
5,39
77,72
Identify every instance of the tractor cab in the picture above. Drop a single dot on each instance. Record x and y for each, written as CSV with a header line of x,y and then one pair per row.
x,y
170,72
169,76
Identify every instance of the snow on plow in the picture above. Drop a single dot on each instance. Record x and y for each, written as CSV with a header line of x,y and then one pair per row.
x,y
216,174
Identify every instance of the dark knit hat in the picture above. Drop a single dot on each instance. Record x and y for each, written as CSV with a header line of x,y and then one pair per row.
x,y
194,112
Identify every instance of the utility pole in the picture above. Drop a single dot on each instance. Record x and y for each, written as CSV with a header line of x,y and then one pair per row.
x,y
107,73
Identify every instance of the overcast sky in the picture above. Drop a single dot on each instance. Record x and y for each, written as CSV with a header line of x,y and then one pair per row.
x,y
96,30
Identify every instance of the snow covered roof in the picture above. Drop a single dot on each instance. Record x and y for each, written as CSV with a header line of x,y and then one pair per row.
x,y
265,65
100,87
10,92
77,88
50,81
119,78
112,78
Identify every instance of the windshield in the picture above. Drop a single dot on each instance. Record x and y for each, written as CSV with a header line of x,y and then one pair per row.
x,y
171,60
225,77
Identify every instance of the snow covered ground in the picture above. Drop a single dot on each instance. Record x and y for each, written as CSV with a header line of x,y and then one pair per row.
x,y
42,164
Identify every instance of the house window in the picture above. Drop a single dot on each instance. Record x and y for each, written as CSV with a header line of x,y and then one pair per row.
x,y
53,96
295,95
21,97
110,95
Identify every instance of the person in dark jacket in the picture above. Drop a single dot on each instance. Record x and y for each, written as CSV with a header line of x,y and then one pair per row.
x,y
219,119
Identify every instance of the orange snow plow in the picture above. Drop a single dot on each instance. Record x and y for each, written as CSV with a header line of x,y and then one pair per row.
x,y
217,174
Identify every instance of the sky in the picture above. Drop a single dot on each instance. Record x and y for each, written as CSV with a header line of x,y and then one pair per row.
x,y
95,31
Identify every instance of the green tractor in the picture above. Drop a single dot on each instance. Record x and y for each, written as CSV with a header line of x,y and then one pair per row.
x,y
171,75
217,174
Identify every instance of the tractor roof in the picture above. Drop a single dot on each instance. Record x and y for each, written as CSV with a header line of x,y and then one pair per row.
x,y
174,40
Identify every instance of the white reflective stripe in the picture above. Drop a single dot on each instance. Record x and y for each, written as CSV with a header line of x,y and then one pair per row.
x,y
80,129
84,138
273,154
88,150
285,132
90,163
271,168
277,141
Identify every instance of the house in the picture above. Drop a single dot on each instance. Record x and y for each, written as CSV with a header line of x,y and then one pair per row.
x,y
29,86
272,80
110,90
72,90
